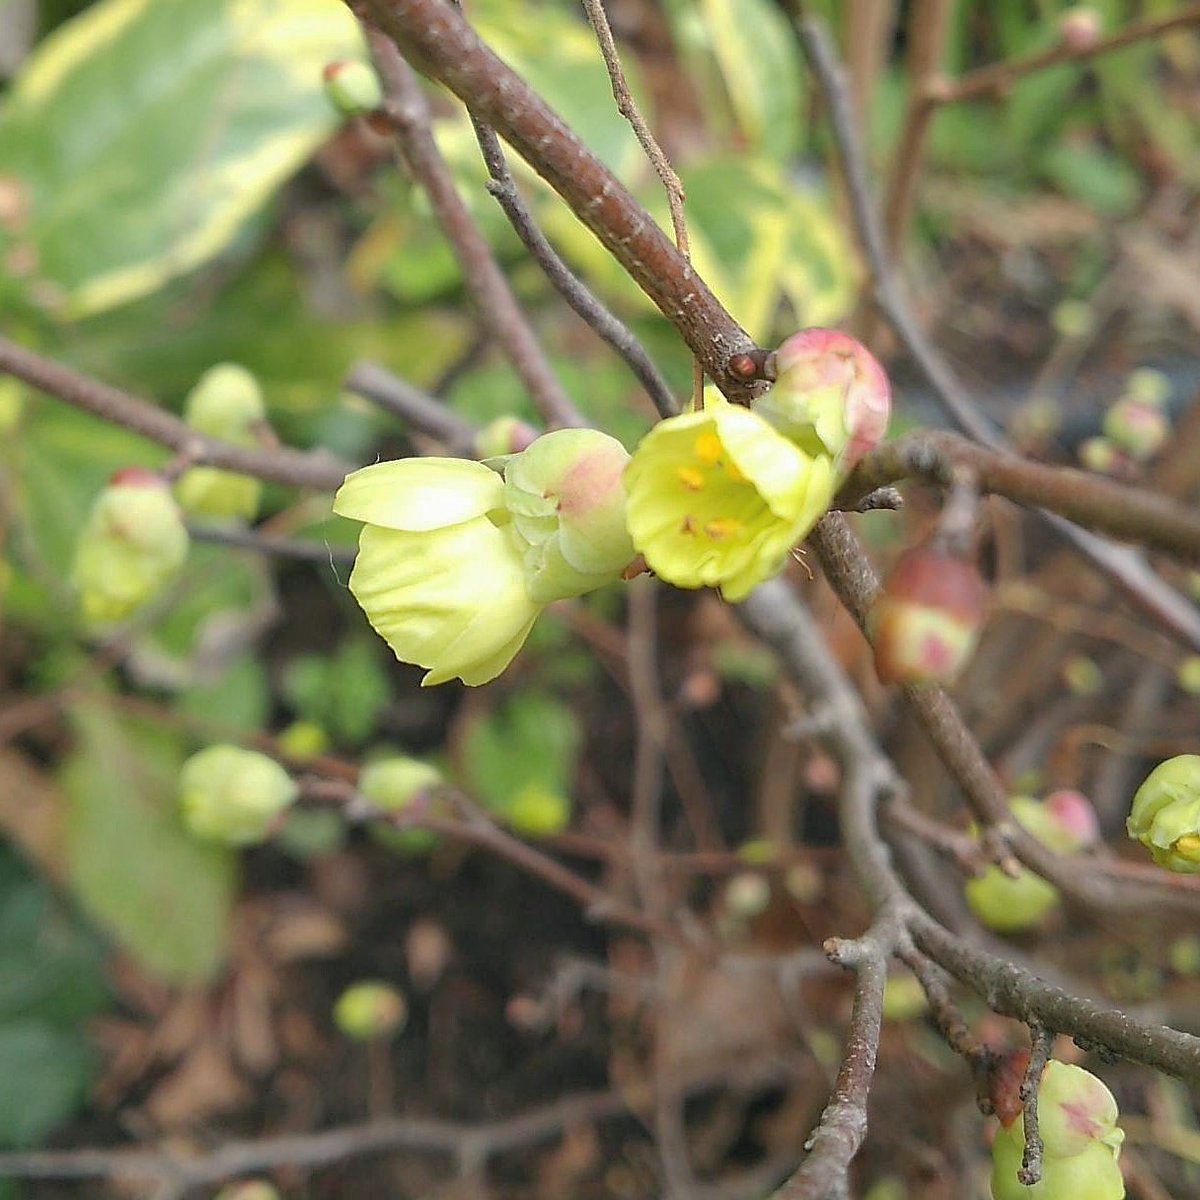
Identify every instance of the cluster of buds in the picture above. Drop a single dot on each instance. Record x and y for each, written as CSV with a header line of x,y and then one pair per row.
x,y
720,497
226,403
456,561
927,618
1077,1123
132,546
1165,816
1065,822
231,795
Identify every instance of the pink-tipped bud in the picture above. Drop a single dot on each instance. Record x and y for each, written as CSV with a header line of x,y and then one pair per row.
x,y
927,618
352,87
830,395
1105,457
1137,427
1080,27
137,477
1073,814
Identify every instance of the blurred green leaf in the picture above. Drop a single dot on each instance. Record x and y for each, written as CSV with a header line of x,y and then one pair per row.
x,y
46,1073
757,55
1094,175
161,893
147,132
240,697
533,740
344,693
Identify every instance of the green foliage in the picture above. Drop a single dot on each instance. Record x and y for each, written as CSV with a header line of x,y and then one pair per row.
x,y
345,692
526,749
161,893
176,158
51,981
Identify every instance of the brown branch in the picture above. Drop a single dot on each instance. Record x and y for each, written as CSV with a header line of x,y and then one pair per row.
x,y
436,39
302,549
421,411
407,113
318,470
1091,500
1124,566
996,77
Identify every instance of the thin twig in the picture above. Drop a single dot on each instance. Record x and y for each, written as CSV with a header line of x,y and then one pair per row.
x,y
319,469
1125,567
304,550
418,409
407,113
1040,1043
439,42
994,78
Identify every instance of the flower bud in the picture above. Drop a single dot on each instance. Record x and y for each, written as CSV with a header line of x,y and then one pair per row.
x,y
1165,816
1006,903
1081,1142
536,811
1080,27
1137,427
504,435
567,501
393,784
1072,821
232,795
248,1189
302,741
904,998
1148,386
927,618
830,396
221,495
1082,675
226,403
1187,675
369,1010
1103,456
352,87
747,895
131,547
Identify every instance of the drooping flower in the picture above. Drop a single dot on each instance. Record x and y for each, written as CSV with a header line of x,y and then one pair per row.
x,y
718,498
133,544
830,395
455,562
1165,816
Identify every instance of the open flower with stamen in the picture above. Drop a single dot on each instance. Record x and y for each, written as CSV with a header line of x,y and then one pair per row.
x,y
718,498
1165,816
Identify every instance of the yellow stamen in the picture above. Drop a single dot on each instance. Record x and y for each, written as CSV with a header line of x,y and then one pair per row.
x,y
735,476
722,527
688,526
1188,846
691,478
707,448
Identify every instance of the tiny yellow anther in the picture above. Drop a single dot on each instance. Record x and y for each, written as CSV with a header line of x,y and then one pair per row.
x,y
691,477
722,527
708,448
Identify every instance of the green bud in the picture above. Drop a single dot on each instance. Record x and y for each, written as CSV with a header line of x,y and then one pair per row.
x,y
369,1010
504,435
393,784
221,495
1103,456
232,795
225,403
903,997
1148,386
1094,1174
352,87
747,895
1165,816
1184,956
131,547
535,811
1187,675
1136,427
248,1189
567,501
1072,318
1082,675
302,741
1075,1109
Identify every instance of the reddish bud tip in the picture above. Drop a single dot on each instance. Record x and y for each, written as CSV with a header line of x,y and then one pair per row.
x,y
743,366
1004,1086
1080,27
330,71
137,477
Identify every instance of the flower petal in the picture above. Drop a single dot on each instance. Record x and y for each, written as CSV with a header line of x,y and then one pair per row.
x,y
418,494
